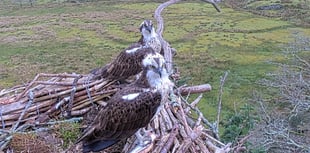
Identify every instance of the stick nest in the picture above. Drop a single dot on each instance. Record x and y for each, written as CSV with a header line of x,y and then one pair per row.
x,y
52,98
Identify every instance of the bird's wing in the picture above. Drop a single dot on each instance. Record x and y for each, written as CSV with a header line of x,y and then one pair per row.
x,y
128,62
123,115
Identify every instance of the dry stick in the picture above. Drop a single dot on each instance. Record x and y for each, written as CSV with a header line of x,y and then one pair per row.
x,y
30,96
61,93
57,83
28,87
176,144
213,4
12,90
45,116
167,119
49,92
2,120
72,95
44,104
160,29
184,145
202,146
198,112
197,100
194,89
213,139
194,103
183,119
223,78
161,143
170,140
45,75
79,112
5,142
34,108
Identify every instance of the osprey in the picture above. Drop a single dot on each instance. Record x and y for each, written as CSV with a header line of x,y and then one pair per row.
x,y
128,62
130,108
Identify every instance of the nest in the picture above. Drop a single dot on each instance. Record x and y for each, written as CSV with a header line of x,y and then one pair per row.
x,y
66,97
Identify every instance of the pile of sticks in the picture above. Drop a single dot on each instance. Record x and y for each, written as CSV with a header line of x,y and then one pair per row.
x,y
60,96
64,96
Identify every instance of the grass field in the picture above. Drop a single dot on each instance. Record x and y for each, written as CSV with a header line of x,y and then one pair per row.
x,y
68,37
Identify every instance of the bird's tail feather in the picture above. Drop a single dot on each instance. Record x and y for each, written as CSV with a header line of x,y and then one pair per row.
x,y
98,145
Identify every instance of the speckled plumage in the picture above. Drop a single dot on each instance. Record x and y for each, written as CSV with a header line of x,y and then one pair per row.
x,y
120,119
125,64
129,109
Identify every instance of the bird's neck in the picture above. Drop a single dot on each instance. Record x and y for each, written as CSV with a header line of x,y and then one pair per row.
x,y
148,38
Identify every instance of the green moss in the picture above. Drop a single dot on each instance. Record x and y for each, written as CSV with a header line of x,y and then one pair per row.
x,y
69,132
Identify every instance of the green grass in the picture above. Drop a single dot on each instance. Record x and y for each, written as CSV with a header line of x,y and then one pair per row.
x,y
56,38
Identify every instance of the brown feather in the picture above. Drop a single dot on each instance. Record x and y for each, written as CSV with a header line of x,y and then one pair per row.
x,y
125,64
122,118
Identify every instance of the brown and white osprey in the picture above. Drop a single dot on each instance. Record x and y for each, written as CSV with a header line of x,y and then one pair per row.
x,y
128,62
130,108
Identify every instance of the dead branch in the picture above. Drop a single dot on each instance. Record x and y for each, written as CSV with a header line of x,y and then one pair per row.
x,y
194,89
219,108
170,140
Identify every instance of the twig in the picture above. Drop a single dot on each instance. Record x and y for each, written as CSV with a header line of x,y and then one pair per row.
x,y
30,96
57,83
213,139
74,84
198,112
28,87
197,100
44,75
5,142
2,120
219,108
170,140
213,4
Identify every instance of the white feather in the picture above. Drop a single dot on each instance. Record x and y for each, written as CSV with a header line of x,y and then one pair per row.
x,y
148,36
149,59
130,96
132,50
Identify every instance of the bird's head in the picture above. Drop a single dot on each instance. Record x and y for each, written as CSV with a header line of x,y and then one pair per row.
x,y
154,62
147,29
156,73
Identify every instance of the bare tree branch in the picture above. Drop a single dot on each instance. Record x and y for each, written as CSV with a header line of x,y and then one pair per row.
x,y
219,108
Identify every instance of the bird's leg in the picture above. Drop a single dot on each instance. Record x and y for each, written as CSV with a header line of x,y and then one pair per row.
x,y
144,142
139,135
144,137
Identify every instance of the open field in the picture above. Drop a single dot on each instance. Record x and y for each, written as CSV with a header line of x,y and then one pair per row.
x,y
69,37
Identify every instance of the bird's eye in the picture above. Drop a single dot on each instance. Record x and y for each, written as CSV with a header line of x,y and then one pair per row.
x,y
153,67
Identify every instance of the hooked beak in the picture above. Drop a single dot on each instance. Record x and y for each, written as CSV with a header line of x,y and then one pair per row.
x,y
149,28
159,71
